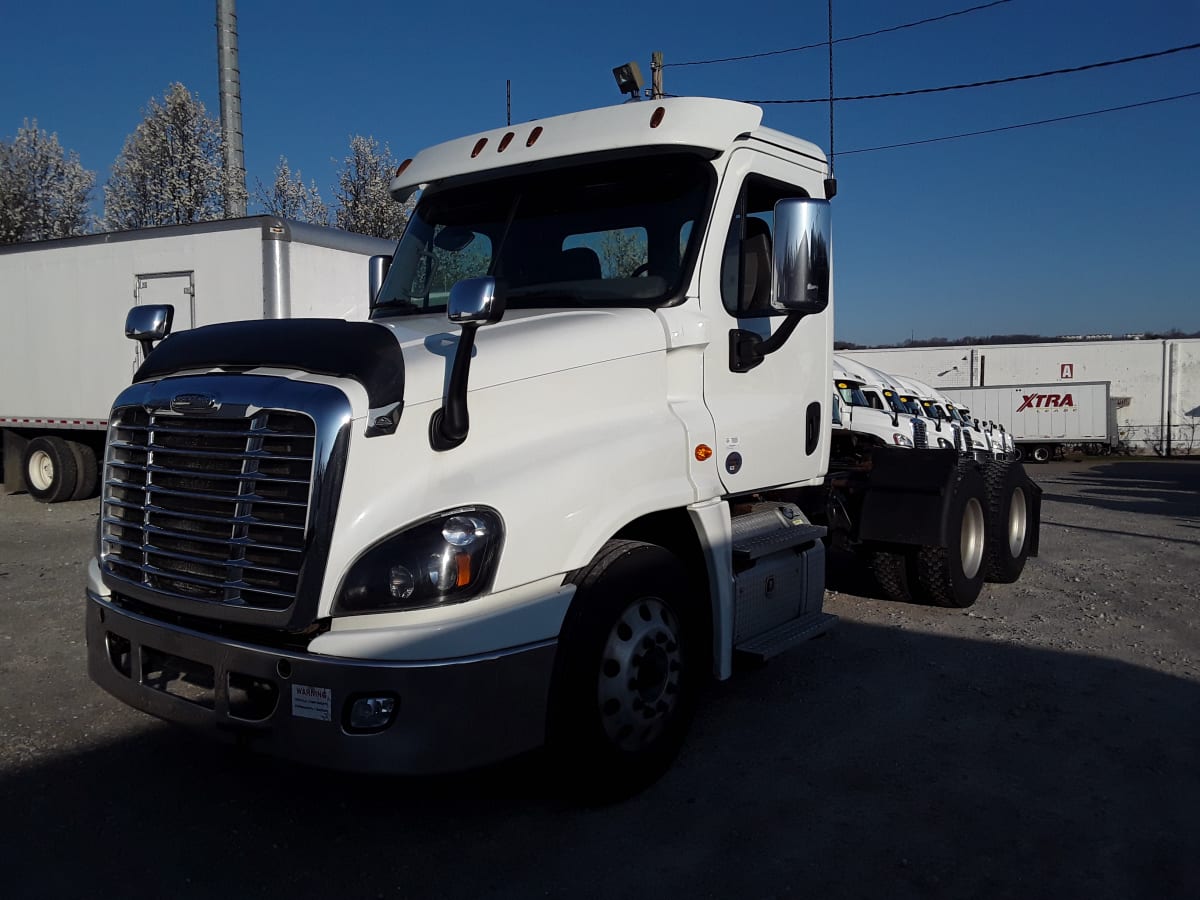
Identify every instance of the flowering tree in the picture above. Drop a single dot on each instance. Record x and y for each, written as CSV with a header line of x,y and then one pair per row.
x,y
43,189
171,170
364,204
290,198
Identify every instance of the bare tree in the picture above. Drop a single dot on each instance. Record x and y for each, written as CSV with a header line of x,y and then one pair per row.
x,y
43,189
364,204
171,170
291,198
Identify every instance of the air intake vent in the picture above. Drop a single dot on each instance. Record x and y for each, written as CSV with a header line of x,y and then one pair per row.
x,y
206,509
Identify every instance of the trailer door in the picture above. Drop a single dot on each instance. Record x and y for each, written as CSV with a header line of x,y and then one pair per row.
x,y
175,288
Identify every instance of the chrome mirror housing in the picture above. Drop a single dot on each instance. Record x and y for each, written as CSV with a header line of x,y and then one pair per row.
x,y
475,300
147,324
377,269
802,264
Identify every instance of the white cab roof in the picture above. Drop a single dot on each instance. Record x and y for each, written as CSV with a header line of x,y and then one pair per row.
x,y
686,122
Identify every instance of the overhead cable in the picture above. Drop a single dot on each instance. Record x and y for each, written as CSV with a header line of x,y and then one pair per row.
x,y
852,37
965,134
992,81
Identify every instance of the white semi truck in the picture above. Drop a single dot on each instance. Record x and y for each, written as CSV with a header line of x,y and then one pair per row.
x,y
576,462
1045,419
61,361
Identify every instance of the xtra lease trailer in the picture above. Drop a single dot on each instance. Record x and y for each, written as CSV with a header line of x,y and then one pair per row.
x,y
62,353
1045,419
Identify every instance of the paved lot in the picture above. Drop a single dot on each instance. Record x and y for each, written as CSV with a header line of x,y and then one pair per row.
x,y
1045,742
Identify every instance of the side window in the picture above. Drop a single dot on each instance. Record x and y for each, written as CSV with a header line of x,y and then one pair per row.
x,y
746,263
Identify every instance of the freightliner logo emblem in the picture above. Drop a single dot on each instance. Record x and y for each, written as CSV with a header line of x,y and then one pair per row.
x,y
194,403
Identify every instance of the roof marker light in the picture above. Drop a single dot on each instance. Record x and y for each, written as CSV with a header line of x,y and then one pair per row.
x,y
656,119
505,141
479,145
404,165
533,136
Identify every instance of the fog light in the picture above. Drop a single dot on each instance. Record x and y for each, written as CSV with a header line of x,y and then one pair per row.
x,y
372,713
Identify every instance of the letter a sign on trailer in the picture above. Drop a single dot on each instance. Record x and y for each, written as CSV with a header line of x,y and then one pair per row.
x,y
1066,370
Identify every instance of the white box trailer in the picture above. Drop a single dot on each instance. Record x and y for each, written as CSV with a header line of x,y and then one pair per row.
x,y
1045,419
63,356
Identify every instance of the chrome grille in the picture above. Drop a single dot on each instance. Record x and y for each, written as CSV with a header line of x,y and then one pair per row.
x,y
920,435
208,509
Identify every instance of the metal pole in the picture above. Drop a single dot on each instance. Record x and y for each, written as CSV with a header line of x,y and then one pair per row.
x,y
656,76
229,79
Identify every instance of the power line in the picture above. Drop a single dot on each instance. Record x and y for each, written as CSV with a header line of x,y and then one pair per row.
x,y
965,134
852,37
992,81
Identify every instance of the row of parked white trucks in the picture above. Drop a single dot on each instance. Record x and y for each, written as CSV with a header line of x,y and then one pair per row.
x,y
545,491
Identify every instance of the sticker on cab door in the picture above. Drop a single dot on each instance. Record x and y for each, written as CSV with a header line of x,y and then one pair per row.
x,y
310,702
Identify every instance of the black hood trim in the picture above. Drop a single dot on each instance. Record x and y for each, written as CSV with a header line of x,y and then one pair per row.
x,y
366,352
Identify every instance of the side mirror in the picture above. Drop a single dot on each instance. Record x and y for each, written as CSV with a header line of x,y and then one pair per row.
x,y
801,265
377,269
475,300
148,324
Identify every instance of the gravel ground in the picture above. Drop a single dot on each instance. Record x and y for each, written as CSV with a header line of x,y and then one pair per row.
x,y
1045,742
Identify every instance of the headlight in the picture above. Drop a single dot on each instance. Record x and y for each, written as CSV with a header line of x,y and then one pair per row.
x,y
447,559
945,444
902,440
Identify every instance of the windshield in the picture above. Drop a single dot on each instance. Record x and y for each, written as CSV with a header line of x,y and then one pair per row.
x,y
895,403
912,405
851,393
615,233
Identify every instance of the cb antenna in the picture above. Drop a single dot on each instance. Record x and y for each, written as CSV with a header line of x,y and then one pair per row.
x,y
831,181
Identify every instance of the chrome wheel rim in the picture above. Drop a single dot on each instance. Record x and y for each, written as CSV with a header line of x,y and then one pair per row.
x,y
1017,522
971,539
640,668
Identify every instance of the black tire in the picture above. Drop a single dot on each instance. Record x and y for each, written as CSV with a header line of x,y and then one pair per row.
x,y
49,469
87,475
953,575
1041,453
891,571
618,716
1009,514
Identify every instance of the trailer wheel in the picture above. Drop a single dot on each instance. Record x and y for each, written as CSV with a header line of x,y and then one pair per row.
x,y
1008,526
953,575
87,475
890,568
626,673
1041,453
50,470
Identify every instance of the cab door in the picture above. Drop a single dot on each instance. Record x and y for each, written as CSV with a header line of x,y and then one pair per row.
x,y
773,421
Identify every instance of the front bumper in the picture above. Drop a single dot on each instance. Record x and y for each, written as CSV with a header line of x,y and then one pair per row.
x,y
450,714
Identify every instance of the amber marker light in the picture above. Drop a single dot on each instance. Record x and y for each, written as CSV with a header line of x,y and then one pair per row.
x,y
703,452
463,564
479,145
404,165
656,119
533,136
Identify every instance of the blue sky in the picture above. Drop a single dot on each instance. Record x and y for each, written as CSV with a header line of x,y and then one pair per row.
x,y
1087,226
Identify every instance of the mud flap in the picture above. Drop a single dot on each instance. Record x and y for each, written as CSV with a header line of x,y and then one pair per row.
x,y
907,497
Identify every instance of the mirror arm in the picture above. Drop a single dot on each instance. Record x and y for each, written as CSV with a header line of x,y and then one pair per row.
x,y
747,348
449,424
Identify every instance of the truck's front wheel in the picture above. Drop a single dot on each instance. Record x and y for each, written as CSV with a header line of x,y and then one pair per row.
x,y
1008,531
953,575
625,677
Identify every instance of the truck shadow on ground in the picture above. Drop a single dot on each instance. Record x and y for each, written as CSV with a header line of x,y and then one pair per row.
x,y
874,762
1160,487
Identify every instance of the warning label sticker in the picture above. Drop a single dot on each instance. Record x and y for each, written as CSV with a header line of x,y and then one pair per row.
x,y
310,702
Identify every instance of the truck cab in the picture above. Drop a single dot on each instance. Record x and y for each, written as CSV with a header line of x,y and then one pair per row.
x,y
863,426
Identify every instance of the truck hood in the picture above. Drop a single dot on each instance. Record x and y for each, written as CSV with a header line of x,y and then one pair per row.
x,y
525,344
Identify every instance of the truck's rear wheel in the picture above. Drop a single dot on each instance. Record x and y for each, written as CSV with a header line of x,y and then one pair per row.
x,y
50,469
953,575
1008,527
1041,453
891,571
87,475
625,676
